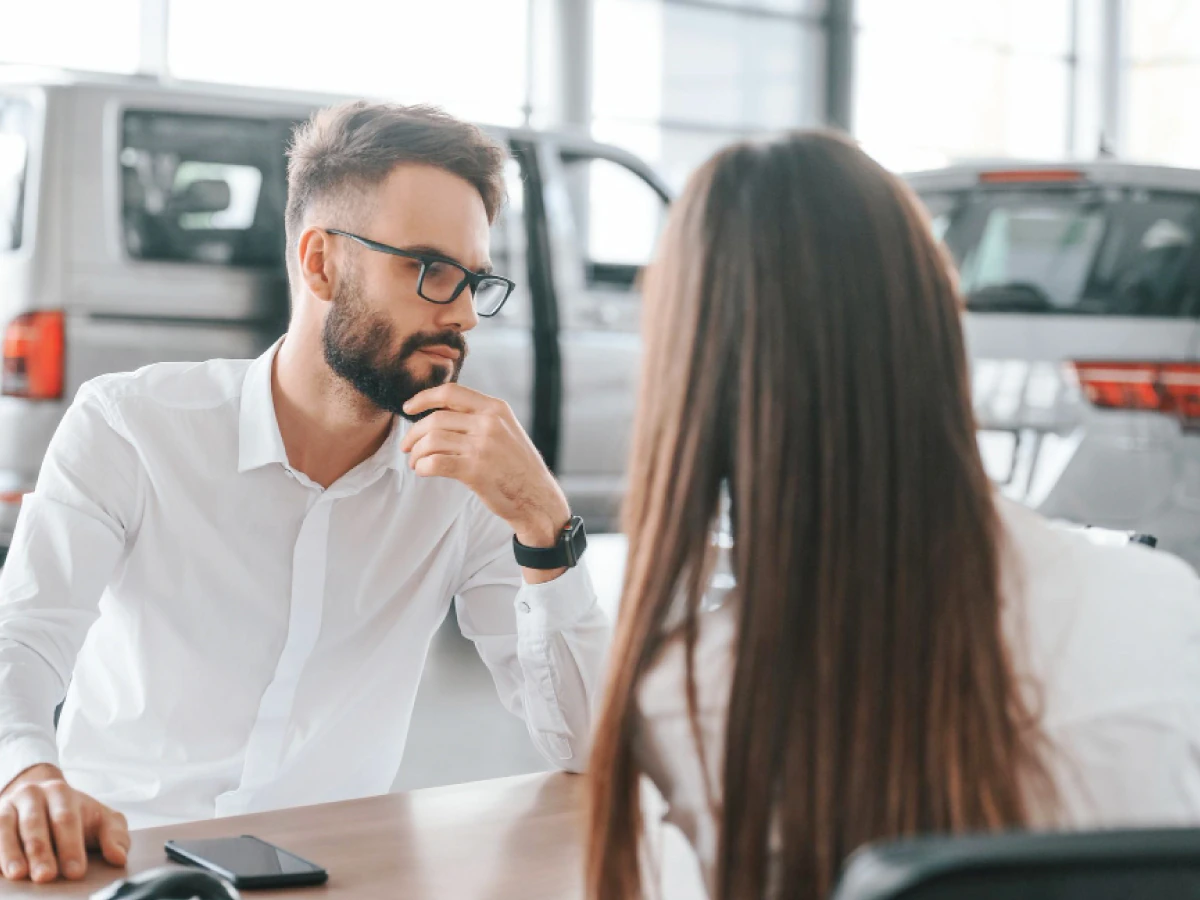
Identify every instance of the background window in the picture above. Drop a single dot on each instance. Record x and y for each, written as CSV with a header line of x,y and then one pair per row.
x,y
1162,76
100,35
467,56
982,82
675,81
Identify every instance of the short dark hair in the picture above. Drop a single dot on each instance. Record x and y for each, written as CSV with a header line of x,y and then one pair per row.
x,y
355,145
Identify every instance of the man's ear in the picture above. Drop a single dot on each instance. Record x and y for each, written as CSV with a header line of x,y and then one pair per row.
x,y
317,266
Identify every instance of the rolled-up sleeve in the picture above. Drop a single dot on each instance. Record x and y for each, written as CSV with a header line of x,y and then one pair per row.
x,y
69,536
544,644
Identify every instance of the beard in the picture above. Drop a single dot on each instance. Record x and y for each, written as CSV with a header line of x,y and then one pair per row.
x,y
359,344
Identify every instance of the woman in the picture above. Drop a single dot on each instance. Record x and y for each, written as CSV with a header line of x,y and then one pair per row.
x,y
904,652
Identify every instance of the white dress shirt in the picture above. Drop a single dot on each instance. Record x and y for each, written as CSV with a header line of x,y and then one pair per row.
x,y
1106,640
236,638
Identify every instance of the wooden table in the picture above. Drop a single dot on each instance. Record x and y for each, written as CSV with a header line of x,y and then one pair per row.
x,y
509,838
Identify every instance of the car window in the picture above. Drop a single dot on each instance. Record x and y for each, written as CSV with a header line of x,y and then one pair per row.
x,y
1080,251
617,217
941,209
203,189
16,123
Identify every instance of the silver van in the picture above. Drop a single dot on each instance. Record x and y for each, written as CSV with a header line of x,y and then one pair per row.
x,y
142,222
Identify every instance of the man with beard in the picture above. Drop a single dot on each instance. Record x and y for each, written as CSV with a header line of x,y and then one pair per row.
x,y
237,566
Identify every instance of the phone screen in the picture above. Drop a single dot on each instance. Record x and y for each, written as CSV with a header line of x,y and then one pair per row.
x,y
246,857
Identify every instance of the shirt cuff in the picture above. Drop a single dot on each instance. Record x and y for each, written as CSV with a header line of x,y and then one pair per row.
x,y
20,753
558,604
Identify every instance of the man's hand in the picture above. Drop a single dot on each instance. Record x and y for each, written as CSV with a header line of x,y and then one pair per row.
x,y
47,827
476,439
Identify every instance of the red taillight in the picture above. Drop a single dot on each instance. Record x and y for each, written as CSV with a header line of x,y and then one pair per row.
x,y
1040,176
1172,388
34,347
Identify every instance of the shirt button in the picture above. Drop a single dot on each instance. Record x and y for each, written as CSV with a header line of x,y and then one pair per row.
x,y
524,606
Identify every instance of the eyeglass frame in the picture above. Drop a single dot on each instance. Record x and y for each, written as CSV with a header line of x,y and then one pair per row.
x,y
469,277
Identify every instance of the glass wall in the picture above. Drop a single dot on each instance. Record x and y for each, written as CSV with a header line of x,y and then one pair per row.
x,y
102,35
675,80
938,80
1162,81
468,56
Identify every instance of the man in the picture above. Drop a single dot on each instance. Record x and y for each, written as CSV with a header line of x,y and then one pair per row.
x,y
243,562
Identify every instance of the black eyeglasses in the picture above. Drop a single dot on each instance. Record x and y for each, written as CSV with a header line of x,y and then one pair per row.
x,y
441,280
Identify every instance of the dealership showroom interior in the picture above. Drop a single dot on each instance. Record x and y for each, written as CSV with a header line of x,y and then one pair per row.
x,y
600,449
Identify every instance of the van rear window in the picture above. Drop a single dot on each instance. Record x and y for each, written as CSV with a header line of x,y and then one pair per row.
x,y
1075,251
203,189
16,123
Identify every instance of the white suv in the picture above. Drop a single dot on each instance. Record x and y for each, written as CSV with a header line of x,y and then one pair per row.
x,y
1083,324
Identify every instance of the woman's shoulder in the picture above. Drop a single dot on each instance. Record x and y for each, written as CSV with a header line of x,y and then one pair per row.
x,y
1046,560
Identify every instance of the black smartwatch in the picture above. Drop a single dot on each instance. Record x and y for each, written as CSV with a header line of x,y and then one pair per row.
x,y
565,553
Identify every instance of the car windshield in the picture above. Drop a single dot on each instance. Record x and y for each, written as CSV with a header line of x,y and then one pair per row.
x,y
1076,251
15,122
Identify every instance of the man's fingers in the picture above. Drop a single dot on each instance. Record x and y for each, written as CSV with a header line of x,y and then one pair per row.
x,y
442,420
450,396
441,465
448,442
34,827
114,837
66,825
12,854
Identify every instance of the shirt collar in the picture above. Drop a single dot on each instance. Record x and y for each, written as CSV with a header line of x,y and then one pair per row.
x,y
259,440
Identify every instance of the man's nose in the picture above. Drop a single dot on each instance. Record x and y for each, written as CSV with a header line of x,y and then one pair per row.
x,y
460,314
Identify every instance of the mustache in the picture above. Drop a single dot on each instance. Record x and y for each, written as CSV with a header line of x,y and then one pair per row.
x,y
448,338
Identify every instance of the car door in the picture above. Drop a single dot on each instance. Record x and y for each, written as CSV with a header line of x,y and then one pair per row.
x,y
605,210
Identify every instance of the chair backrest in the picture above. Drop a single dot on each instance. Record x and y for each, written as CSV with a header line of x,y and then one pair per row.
x,y
1100,865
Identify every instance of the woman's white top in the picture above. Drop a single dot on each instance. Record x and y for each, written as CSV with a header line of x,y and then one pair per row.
x,y
1109,637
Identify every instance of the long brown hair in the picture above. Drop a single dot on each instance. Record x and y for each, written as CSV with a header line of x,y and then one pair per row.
x,y
803,347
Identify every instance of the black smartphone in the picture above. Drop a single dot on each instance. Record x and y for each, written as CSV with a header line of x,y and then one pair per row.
x,y
247,862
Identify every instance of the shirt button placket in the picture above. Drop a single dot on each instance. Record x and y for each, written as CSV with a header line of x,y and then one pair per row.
x,y
265,748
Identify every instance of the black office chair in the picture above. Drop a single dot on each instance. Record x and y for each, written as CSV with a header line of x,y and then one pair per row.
x,y
1099,865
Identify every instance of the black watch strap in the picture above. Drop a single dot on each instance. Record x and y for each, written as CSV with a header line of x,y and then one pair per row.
x,y
565,553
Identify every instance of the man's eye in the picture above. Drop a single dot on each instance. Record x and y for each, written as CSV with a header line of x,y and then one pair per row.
x,y
441,273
